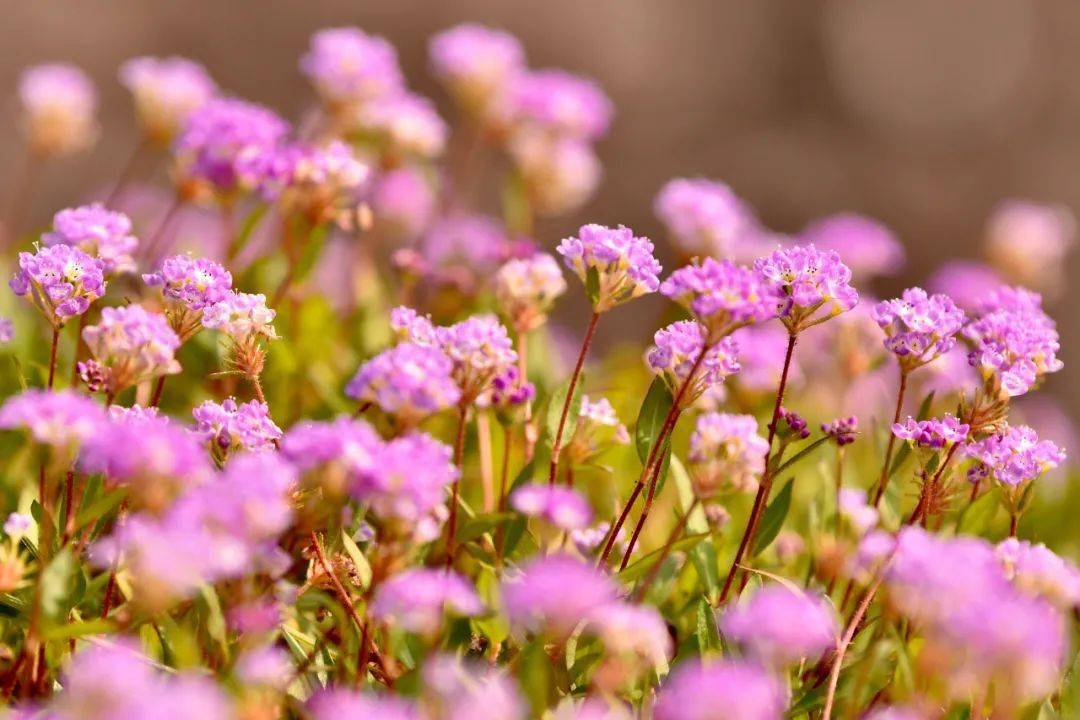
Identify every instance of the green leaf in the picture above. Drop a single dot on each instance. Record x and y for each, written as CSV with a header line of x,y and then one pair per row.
x,y
708,635
773,518
313,246
537,677
977,516
494,627
555,407
55,584
483,524
97,626
639,567
592,285
1070,690
363,567
654,410
215,618
800,456
246,229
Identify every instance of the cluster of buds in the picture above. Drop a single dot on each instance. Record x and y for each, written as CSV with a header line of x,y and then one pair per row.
x,y
247,322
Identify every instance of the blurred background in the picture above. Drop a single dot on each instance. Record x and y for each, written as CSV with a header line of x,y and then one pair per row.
x,y
921,114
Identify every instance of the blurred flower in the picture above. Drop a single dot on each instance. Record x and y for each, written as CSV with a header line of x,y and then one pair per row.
x,y
866,246
562,103
636,641
467,690
623,265
418,599
268,666
407,125
59,103
130,345
965,281
230,427
61,281
810,280
408,381
722,690
705,217
7,330
17,524
348,66
559,174
677,348
1038,571
553,594
598,429
853,507
563,507
1029,243
403,201
476,63
761,358
98,232
721,295
919,328
335,704
165,91
726,451
780,627
63,419
526,290
842,430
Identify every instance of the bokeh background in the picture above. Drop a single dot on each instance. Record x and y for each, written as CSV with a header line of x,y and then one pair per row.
x,y
920,113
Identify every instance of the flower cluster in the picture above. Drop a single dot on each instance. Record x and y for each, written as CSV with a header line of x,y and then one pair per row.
x,y
559,505
59,104
61,280
866,246
705,217
726,451
1016,455
682,356
229,426
348,66
621,265
128,345
934,433
190,285
919,328
98,232
812,285
408,381
417,600
476,64
723,296
526,289
731,689
63,420
780,627
165,91
842,430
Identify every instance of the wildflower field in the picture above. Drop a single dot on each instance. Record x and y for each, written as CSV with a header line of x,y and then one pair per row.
x,y
304,432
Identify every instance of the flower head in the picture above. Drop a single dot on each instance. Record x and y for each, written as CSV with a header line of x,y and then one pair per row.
x,y
61,280
406,123
598,429
559,173
853,507
165,91
418,600
934,433
476,63
554,593
705,217
725,451
562,506
722,690
408,381
866,246
678,347
808,280
723,296
241,316
229,426
62,419
1016,455
780,627
1029,242
348,66
919,328
842,430
469,690
58,104
622,264
1038,571
508,391
98,232
218,138
527,288
965,281
335,704
562,104
131,345
480,349
403,201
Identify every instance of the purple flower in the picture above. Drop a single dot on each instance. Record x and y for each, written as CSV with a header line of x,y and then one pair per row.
x,y
559,173
98,232
723,296
896,713
348,66
241,316
58,104
132,345
408,381
866,246
17,524
406,485
165,91
721,690
193,282
322,183
705,217
809,280
266,667
781,627
508,391
794,425
853,507
761,357
965,281
598,429
217,138
634,634
919,328
404,201
469,690
934,433
553,594
675,350
726,451
335,704
61,280
622,264
1030,242
562,506
480,349
229,426
465,245
7,330
526,290
842,430
1038,571
476,63
562,103
62,419
1014,342
418,600
407,123
1016,456
347,442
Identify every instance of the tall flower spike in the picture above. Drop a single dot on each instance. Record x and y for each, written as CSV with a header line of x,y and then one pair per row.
x,y
676,348
408,381
128,345
190,285
165,91
527,288
59,103
814,285
615,265
723,296
919,328
98,232
61,281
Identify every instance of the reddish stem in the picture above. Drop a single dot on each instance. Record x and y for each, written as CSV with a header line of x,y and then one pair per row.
x,y
556,444
459,452
159,388
52,355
